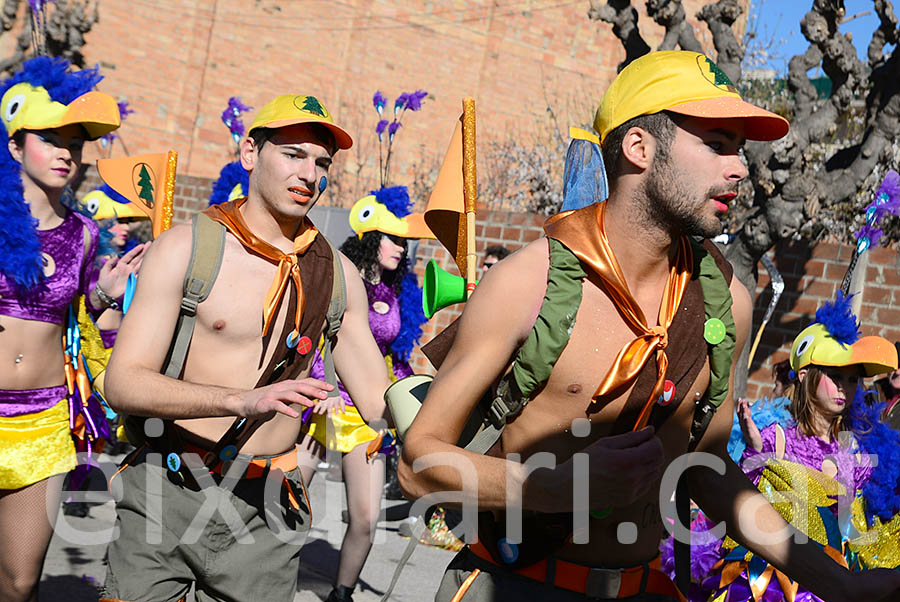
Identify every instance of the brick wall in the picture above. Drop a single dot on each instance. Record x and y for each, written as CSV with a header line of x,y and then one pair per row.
x,y
178,61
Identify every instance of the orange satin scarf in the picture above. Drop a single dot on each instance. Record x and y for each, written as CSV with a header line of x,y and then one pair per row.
x,y
584,233
228,215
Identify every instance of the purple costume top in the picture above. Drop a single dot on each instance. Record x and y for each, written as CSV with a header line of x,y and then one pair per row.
x,y
75,274
385,328
852,471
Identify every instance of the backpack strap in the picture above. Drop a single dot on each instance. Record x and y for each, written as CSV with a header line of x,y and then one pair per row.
x,y
333,318
207,249
717,303
545,343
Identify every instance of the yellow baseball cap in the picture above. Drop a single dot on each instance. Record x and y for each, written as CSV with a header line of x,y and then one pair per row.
x,y
290,109
26,107
687,83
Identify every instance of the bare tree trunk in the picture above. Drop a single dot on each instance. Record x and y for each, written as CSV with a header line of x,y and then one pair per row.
x,y
670,14
624,20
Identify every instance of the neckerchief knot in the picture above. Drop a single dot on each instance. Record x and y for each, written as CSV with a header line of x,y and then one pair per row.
x,y
228,215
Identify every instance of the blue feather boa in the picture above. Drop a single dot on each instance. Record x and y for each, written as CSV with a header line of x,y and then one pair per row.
x,y
230,176
397,201
765,413
20,247
877,439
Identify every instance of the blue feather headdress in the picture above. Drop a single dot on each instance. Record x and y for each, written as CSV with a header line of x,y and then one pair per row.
x,y
397,201
20,247
838,318
230,176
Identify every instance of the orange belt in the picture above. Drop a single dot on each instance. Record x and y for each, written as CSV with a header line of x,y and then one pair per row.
x,y
595,582
257,467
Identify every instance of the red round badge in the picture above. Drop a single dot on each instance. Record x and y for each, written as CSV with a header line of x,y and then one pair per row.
x,y
667,394
304,345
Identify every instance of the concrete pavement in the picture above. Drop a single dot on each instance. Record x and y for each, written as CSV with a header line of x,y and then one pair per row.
x,y
75,567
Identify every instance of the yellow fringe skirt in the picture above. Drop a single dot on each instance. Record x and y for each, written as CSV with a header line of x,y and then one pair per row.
x,y
35,446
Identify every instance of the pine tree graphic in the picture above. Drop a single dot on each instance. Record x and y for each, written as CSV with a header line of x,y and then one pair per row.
x,y
720,78
146,185
311,104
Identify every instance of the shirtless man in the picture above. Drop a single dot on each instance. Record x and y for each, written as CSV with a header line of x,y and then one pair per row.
x,y
169,535
672,128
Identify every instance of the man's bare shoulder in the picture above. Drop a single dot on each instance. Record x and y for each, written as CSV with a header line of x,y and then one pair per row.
x,y
173,245
523,270
742,305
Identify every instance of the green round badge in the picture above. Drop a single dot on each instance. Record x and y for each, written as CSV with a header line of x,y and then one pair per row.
x,y
600,514
714,331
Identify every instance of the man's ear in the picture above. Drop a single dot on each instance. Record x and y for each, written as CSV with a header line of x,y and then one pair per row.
x,y
15,150
249,153
638,147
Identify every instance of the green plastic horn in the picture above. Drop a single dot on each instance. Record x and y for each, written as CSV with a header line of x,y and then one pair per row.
x,y
440,288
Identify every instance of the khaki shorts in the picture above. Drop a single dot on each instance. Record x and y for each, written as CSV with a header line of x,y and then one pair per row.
x,y
493,583
230,537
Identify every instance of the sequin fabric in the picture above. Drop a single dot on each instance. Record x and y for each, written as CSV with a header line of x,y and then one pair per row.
x,y
350,429
35,446
68,274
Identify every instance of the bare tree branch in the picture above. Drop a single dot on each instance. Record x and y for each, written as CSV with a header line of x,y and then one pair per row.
x,y
670,14
624,19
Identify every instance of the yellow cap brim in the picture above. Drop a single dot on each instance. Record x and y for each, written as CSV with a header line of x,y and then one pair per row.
x,y
341,137
759,124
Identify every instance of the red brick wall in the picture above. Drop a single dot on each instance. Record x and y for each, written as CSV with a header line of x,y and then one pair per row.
x,y
178,61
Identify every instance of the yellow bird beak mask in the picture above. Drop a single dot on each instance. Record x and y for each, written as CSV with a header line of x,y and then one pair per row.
x,y
387,211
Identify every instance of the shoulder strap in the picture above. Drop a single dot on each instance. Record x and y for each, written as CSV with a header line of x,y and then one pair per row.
x,y
545,343
717,304
207,249
333,318
715,283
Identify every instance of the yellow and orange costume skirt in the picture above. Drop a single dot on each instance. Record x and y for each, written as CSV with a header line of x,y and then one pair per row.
x,y
35,439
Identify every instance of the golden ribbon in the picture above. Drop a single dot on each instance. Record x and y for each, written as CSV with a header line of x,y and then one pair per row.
x,y
589,243
229,215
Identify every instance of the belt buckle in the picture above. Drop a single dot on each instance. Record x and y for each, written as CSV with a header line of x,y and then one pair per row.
x,y
603,583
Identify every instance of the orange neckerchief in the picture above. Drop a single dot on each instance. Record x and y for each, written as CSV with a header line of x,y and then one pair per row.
x,y
583,232
228,215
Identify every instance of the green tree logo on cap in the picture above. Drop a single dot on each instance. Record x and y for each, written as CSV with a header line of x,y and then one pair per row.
x,y
312,105
716,76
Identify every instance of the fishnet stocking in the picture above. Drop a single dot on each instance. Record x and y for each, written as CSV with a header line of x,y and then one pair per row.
x,y
25,530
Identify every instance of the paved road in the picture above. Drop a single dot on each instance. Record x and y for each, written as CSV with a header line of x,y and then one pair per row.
x,y
73,570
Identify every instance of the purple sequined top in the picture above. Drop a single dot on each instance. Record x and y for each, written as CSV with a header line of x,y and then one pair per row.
x,y
385,328
74,274
853,469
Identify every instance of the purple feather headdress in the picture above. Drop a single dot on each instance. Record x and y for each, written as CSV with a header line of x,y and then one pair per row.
x,y
887,202
407,101
231,117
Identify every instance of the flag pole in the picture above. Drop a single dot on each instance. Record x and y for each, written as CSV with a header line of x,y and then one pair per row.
x,y
470,189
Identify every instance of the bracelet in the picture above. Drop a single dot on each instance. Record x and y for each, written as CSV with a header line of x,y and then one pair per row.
x,y
105,297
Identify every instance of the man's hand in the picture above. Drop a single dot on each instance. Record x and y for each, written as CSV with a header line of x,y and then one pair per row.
x,y
621,469
876,585
265,402
748,427
114,273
